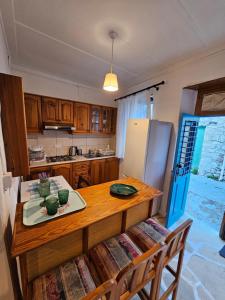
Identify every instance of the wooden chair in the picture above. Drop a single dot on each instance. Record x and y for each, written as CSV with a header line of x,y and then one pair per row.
x,y
175,243
82,182
141,271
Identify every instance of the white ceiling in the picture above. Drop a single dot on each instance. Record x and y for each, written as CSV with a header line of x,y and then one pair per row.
x,y
68,38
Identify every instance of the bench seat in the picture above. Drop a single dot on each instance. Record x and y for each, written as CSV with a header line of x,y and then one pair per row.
x,y
72,280
147,233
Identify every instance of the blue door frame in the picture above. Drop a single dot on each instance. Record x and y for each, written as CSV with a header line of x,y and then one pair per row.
x,y
182,167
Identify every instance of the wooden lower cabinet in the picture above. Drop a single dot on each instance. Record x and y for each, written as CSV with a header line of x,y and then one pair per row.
x,y
97,171
111,169
80,169
65,170
36,172
94,171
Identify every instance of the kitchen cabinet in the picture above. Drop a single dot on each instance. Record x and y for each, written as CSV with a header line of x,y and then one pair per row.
x,y
97,172
109,120
81,117
14,124
50,110
36,172
111,169
113,120
57,111
94,171
33,113
96,119
80,169
63,169
66,112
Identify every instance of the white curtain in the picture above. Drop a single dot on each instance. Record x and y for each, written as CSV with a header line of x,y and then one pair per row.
x,y
133,107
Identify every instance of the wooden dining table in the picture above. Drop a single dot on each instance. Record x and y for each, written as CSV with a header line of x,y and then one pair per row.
x,y
46,245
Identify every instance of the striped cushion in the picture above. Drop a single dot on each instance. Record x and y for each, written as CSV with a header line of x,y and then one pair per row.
x,y
113,255
146,234
71,280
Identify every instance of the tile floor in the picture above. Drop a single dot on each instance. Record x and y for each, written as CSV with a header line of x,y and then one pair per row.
x,y
203,273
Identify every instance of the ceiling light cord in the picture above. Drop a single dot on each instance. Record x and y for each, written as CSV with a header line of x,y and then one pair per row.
x,y
112,54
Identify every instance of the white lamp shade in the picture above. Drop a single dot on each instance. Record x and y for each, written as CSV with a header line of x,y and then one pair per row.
x,y
111,82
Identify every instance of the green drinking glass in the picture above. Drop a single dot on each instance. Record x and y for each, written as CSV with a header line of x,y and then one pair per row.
x,y
52,205
63,196
44,191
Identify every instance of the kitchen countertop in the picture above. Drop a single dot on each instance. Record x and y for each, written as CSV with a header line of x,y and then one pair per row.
x,y
100,205
76,159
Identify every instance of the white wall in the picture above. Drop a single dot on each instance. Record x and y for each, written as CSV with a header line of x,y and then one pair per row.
x,y
44,84
169,101
7,199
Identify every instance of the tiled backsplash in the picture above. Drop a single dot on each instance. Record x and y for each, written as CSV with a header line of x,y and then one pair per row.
x,y
58,143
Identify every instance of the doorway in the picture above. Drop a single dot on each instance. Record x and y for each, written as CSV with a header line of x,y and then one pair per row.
x,y
206,191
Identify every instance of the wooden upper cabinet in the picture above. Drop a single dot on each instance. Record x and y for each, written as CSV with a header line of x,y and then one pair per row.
x,y
57,111
66,111
113,120
14,125
81,117
33,113
50,110
96,119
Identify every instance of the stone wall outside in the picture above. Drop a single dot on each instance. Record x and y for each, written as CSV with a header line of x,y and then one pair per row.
x,y
213,149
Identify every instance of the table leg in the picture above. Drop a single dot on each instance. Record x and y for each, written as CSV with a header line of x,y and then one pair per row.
x,y
150,208
124,221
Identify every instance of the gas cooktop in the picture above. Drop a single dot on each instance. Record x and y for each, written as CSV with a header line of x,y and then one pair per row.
x,y
59,158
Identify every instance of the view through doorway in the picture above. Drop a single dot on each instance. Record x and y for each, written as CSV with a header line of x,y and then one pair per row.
x,y
206,192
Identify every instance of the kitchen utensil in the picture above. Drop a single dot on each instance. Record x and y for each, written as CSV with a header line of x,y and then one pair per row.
x,y
51,205
123,189
36,153
79,152
72,150
44,190
63,196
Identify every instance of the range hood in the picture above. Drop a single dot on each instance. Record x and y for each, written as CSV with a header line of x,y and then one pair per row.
x,y
58,127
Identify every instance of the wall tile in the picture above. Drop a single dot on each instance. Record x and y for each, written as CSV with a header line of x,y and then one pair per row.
x,y
58,143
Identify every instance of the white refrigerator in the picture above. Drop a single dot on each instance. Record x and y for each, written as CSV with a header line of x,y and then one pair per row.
x,y
146,150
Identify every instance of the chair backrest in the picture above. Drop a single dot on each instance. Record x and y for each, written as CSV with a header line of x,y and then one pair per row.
x,y
176,240
140,271
82,182
105,291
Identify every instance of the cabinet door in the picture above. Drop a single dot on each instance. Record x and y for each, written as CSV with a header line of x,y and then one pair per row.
x,y
50,110
65,170
111,169
96,119
80,169
81,117
66,112
98,171
36,172
113,120
33,113
107,118
14,125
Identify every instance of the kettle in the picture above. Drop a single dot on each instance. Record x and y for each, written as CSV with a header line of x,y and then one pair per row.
x,y
72,150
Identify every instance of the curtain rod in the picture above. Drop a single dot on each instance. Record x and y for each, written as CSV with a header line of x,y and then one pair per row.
x,y
156,86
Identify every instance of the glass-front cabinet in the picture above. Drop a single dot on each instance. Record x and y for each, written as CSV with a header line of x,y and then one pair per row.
x,y
96,119
106,120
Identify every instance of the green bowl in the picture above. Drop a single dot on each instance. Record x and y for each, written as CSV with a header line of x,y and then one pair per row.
x,y
121,189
